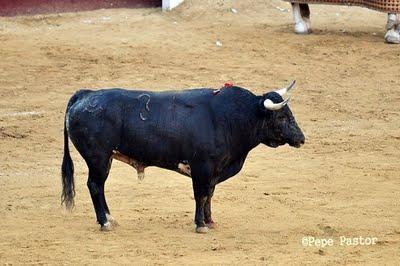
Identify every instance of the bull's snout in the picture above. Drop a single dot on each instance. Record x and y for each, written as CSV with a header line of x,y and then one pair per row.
x,y
302,141
297,140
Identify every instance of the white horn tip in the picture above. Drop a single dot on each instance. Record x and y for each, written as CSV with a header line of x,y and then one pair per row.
x,y
291,85
286,89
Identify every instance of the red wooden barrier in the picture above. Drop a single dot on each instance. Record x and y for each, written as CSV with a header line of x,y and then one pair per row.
x,y
29,7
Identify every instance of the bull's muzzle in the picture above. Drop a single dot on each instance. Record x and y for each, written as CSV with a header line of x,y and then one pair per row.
x,y
297,141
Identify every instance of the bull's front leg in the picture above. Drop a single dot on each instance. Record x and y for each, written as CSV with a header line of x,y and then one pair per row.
x,y
301,16
228,172
393,29
200,195
202,188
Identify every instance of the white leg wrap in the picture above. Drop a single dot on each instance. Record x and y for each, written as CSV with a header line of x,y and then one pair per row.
x,y
300,26
393,29
392,36
393,21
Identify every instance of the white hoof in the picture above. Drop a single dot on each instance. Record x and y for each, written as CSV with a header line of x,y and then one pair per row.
x,y
202,230
301,28
392,36
112,220
106,227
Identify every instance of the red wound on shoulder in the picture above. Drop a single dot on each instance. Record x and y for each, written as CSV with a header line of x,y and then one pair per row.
x,y
228,84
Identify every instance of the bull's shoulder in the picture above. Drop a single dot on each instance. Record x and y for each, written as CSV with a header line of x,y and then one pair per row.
x,y
236,93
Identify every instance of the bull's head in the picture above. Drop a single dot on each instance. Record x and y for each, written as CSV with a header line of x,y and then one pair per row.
x,y
279,126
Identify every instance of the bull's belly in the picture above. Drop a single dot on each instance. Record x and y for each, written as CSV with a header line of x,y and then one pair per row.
x,y
181,167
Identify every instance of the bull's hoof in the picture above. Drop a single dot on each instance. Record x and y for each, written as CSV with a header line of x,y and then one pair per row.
x,y
212,225
202,229
112,220
301,28
392,36
106,227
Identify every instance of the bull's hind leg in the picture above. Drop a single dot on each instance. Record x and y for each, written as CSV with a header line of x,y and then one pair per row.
x,y
301,16
98,173
110,218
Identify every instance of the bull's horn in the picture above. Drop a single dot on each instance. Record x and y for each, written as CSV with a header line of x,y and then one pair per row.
x,y
286,89
270,105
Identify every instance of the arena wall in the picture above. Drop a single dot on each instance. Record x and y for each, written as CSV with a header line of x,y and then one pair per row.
x,y
170,4
30,7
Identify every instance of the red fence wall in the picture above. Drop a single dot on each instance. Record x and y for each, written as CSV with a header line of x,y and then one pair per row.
x,y
29,7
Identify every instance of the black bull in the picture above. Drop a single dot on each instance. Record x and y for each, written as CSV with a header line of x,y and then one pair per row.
x,y
201,133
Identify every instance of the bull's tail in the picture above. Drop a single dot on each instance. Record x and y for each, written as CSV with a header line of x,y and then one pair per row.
x,y
67,173
67,167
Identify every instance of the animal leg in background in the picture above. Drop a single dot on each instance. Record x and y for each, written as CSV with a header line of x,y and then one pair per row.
x,y
393,29
301,16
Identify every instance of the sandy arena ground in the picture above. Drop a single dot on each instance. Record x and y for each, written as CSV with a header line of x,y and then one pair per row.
x,y
343,182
